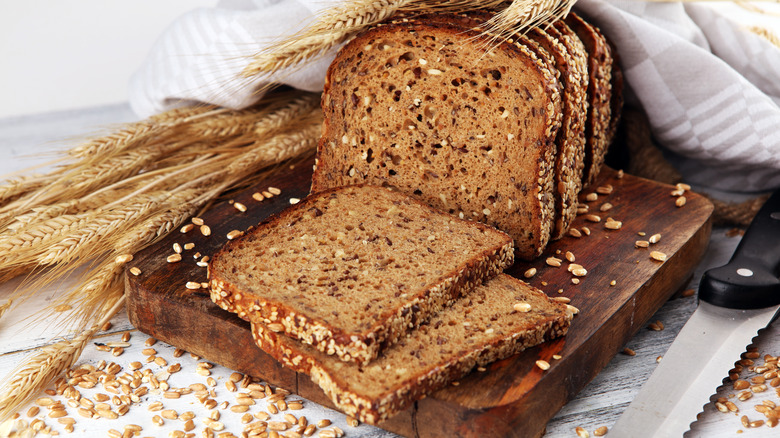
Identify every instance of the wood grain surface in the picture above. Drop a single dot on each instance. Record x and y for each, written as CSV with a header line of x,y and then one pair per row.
x,y
622,289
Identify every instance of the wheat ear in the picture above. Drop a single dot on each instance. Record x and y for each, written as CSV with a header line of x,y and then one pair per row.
x,y
522,15
766,33
70,237
333,27
5,306
37,371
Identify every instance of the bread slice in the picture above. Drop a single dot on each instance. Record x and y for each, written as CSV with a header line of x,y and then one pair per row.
x,y
570,159
427,109
599,93
477,329
353,269
571,71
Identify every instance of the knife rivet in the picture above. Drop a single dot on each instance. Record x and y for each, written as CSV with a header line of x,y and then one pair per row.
x,y
745,272
775,215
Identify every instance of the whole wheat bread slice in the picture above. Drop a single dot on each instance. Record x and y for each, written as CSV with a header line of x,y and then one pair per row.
x,y
427,109
351,270
488,324
571,70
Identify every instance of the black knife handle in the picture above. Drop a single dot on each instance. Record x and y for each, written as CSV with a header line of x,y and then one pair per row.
x,y
749,280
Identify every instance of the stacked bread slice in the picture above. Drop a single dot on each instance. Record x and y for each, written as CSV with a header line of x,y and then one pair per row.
x,y
379,297
505,132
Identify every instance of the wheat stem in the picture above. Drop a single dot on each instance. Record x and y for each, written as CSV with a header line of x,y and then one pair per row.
x,y
522,15
333,27
5,306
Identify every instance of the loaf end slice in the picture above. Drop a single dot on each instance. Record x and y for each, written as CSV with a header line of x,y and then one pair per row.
x,y
482,327
351,270
428,109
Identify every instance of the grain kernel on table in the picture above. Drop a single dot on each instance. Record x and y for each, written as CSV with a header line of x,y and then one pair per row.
x,y
543,364
581,432
605,189
601,431
658,256
553,261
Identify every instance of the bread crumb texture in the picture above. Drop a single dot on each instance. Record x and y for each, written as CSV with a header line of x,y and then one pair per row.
x,y
353,269
427,109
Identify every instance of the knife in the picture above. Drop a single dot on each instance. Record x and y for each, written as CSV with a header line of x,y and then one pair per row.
x,y
735,301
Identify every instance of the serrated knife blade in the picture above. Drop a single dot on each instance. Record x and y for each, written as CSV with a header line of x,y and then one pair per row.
x,y
735,301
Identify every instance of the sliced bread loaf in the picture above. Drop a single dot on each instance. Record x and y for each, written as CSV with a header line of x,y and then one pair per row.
x,y
427,108
599,94
495,320
353,269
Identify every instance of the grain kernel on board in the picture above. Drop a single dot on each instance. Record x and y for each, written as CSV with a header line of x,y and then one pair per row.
x,y
658,256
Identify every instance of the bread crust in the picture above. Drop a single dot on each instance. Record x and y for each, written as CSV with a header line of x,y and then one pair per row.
x,y
570,160
600,67
375,408
361,346
344,144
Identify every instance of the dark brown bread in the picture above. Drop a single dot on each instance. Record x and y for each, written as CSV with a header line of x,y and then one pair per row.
x,y
351,270
570,159
425,108
572,72
486,325
599,92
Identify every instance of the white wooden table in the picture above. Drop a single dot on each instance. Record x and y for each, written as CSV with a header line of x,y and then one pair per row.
x,y
599,404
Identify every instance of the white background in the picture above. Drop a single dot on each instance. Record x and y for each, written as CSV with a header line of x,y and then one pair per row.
x,y
58,55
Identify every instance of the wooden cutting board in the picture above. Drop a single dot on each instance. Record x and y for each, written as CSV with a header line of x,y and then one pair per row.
x,y
623,288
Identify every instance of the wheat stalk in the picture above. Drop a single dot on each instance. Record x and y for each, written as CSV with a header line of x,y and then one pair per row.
x,y
522,15
126,191
128,136
5,306
68,237
333,27
339,23
766,33
37,371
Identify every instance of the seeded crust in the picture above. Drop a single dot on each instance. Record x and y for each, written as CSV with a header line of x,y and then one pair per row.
x,y
477,329
351,270
435,129
570,160
600,94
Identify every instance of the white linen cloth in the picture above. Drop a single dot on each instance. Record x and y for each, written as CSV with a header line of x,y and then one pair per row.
x,y
709,85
